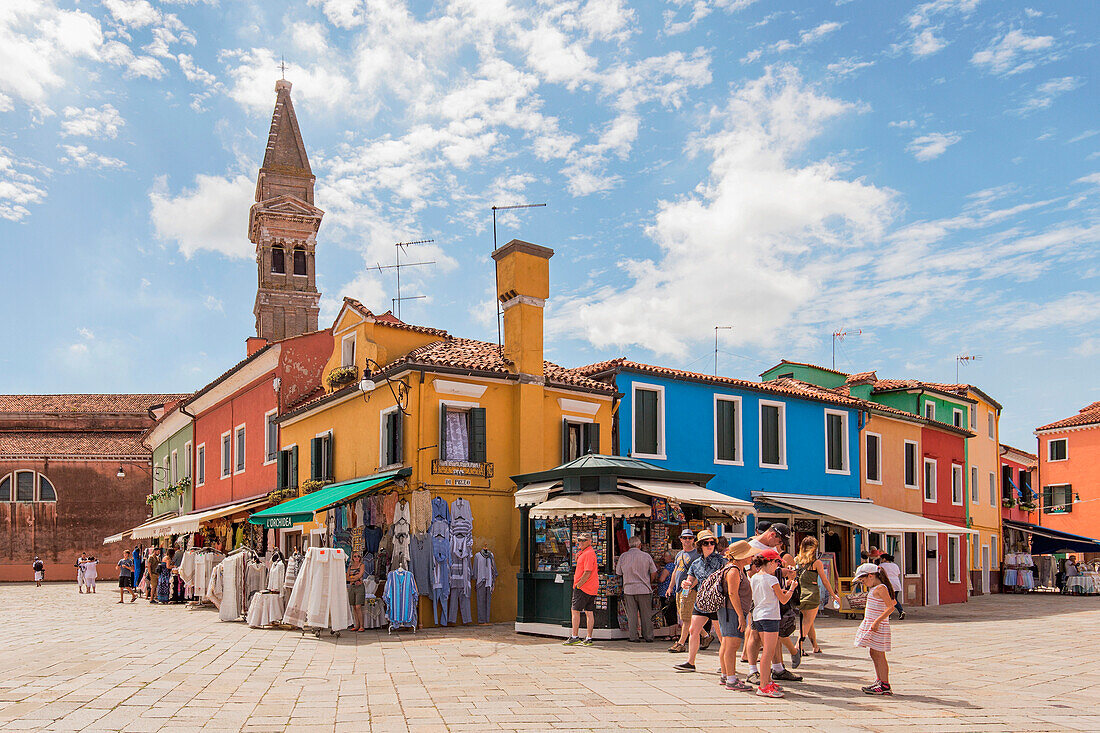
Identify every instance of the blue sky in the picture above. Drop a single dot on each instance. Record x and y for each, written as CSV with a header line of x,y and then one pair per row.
x,y
925,173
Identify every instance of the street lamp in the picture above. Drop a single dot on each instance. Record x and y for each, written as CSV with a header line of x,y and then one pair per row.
x,y
122,473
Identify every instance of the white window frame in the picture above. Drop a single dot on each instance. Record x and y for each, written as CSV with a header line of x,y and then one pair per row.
x,y
957,413
927,404
847,469
343,361
924,480
994,495
200,464
974,486
660,455
188,458
173,467
905,548
973,419
223,470
958,477
782,465
992,425
167,465
956,567
272,449
382,436
918,467
975,552
739,442
994,561
866,463
1055,440
239,459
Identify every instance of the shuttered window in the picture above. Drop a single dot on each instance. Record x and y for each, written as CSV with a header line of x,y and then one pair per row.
x,y
836,441
391,438
462,434
287,468
1057,499
647,428
727,424
1057,449
772,438
321,465
910,464
579,439
874,457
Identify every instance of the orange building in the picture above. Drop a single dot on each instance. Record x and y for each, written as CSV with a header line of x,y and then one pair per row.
x,y
1069,473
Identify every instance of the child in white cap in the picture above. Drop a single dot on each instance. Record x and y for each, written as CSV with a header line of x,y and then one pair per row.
x,y
874,631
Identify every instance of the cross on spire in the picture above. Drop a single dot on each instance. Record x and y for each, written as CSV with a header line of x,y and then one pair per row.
x,y
282,67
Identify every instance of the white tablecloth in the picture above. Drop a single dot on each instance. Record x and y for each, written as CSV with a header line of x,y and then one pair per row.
x,y
1085,583
264,609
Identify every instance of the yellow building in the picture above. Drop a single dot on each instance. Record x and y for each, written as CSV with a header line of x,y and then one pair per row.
x,y
463,415
983,455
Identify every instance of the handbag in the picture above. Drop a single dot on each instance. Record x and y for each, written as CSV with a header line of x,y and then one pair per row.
x,y
857,601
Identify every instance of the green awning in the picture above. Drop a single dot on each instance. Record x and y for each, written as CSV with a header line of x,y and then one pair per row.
x,y
303,508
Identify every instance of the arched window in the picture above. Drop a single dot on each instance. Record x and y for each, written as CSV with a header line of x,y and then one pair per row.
x,y
299,261
278,261
26,486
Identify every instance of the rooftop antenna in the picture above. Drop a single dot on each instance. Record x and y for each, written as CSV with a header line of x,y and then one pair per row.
x,y
282,66
495,209
716,330
400,247
963,359
839,336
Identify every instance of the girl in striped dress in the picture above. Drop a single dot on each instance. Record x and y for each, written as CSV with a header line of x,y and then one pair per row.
x,y
874,631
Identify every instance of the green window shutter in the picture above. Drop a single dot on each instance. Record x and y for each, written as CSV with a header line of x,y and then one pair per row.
x,y
292,474
330,466
592,438
1048,498
565,441
316,459
769,434
398,436
835,438
442,432
645,421
1067,498
910,465
477,434
280,469
726,427
872,459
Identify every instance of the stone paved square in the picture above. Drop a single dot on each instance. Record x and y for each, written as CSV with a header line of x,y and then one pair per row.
x,y
84,663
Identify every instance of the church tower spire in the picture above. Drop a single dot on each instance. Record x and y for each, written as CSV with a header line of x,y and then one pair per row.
x,y
283,225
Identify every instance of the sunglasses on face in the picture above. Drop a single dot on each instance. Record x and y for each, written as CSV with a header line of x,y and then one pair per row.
x,y
708,542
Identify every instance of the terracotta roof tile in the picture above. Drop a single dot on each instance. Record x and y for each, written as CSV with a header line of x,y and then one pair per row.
x,y
1031,456
902,414
805,364
389,319
70,444
862,378
1088,415
84,403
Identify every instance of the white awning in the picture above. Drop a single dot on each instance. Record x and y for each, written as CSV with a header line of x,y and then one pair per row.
x,y
862,513
158,528
141,527
689,494
114,538
535,493
192,522
590,502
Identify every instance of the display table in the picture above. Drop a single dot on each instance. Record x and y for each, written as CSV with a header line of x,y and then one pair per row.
x,y
1087,583
265,609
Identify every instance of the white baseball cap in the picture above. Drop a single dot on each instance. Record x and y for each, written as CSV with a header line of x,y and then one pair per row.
x,y
867,568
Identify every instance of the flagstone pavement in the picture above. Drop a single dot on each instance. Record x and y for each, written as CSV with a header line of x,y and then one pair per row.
x,y
78,662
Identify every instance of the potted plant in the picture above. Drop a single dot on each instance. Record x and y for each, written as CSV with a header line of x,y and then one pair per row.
x,y
1028,506
308,487
1008,502
341,377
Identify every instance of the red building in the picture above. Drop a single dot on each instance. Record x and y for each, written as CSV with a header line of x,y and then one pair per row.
x,y
60,488
1018,499
943,487
236,438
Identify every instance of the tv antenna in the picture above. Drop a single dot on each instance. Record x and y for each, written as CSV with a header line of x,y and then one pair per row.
x,y
401,247
716,330
282,66
839,336
964,359
495,209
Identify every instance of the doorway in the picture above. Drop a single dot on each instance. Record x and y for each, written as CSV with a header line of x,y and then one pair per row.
x,y
932,570
985,569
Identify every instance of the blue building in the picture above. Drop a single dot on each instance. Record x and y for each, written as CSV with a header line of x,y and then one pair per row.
x,y
758,439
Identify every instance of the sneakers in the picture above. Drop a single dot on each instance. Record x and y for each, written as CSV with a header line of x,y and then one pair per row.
x,y
787,676
587,642
721,679
753,679
901,615
677,648
796,658
732,683
705,642
572,641
685,667
771,690
879,688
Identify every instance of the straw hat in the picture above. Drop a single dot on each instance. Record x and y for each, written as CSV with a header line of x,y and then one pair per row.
x,y
741,550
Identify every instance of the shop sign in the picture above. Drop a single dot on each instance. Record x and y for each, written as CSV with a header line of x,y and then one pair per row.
x,y
283,522
457,482
461,468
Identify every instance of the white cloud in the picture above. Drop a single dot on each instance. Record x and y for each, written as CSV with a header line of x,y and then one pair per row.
x,y
806,37
253,86
904,124
926,42
342,13
1046,92
212,216
133,13
1003,55
922,15
213,304
97,122
86,333
932,145
18,188
37,40
848,66
607,20
699,10
82,157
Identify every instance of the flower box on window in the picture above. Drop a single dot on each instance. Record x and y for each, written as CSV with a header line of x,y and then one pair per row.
x,y
341,377
1008,502
308,487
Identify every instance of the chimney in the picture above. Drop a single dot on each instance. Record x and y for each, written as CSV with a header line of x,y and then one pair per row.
x,y
254,344
523,285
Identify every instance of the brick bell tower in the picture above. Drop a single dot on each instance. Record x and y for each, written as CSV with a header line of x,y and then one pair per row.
x,y
283,225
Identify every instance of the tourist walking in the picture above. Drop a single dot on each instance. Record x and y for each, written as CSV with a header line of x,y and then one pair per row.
x,y
708,562
39,569
810,570
735,615
685,600
874,632
91,572
164,578
126,577
152,574
80,561
893,572
664,580
357,592
638,571
766,614
586,584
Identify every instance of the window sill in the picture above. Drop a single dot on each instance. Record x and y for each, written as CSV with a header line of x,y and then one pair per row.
x,y
930,501
239,472
777,466
911,486
721,462
958,503
873,483
651,456
836,472
1057,460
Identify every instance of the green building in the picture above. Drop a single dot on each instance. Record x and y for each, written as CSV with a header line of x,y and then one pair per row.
x,y
173,445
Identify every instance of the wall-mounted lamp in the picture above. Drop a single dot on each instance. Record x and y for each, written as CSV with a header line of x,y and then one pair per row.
x,y
367,385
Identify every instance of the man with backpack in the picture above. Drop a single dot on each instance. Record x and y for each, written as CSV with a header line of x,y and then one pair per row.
x,y
39,571
709,562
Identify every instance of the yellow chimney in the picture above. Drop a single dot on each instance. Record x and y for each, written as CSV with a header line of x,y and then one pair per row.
x,y
523,285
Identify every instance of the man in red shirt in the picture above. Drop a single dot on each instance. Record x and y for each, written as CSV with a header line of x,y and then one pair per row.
x,y
586,584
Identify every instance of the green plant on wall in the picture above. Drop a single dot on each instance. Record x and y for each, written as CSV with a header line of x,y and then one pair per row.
x,y
341,376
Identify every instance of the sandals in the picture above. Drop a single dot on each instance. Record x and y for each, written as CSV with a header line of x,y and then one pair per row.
x,y
677,647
